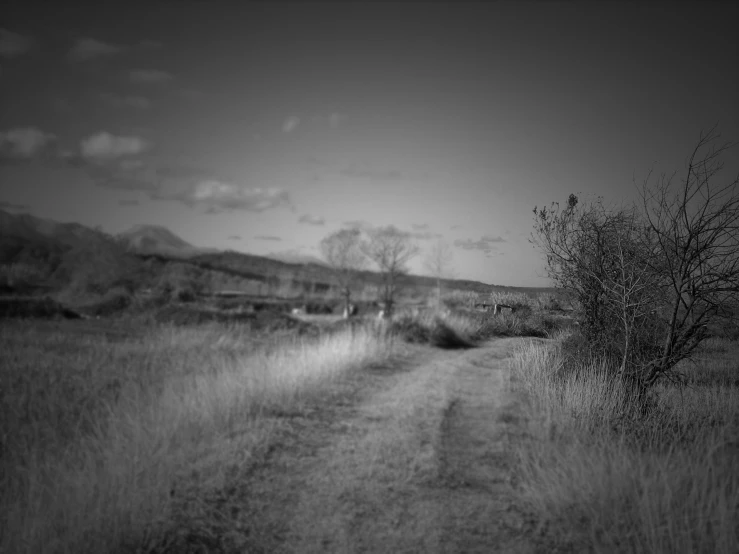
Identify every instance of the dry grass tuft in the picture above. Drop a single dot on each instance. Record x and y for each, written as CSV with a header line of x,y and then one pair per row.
x,y
606,480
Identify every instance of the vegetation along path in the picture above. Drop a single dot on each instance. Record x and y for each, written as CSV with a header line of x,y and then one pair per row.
x,y
409,457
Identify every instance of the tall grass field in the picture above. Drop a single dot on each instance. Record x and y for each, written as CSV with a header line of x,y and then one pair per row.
x,y
604,478
103,435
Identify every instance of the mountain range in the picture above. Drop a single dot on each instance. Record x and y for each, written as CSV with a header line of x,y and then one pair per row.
x,y
73,255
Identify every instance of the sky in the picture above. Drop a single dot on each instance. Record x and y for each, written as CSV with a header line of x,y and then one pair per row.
x,y
262,128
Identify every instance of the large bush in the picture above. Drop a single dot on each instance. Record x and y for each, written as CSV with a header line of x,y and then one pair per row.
x,y
650,278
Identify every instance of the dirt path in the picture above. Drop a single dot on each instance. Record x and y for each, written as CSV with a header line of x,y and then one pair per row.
x,y
480,509
409,457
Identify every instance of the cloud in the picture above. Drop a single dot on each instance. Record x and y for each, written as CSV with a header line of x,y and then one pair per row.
x,y
217,196
453,227
10,206
104,146
149,76
25,142
310,220
290,124
491,238
116,101
485,244
14,44
234,237
335,119
126,202
420,226
267,237
86,49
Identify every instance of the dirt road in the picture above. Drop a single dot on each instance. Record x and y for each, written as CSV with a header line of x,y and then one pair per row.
x,y
407,457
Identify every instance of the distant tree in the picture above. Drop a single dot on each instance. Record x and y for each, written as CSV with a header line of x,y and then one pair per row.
x,y
21,277
343,253
438,262
390,249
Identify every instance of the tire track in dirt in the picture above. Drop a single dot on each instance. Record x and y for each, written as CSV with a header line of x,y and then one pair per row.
x,y
480,511
411,457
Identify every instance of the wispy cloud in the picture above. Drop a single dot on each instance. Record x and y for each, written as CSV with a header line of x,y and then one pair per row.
x,y
453,227
310,220
267,237
14,44
11,207
145,76
104,146
290,124
116,101
419,226
25,142
491,238
86,49
127,202
217,196
485,244
110,161
234,237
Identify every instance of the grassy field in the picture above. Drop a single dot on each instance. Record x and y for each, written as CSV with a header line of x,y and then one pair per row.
x,y
603,481
112,429
100,430
125,435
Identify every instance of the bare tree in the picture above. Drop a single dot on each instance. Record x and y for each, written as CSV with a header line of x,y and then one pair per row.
x,y
438,262
342,250
390,249
652,277
696,229
631,286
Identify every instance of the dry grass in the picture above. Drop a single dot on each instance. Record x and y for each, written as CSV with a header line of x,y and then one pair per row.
x,y
447,330
606,481
513,299
98,433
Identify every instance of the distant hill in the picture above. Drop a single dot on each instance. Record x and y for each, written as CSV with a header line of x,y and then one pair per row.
x,y
60,255
296,258
32,228
148,239
72,257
